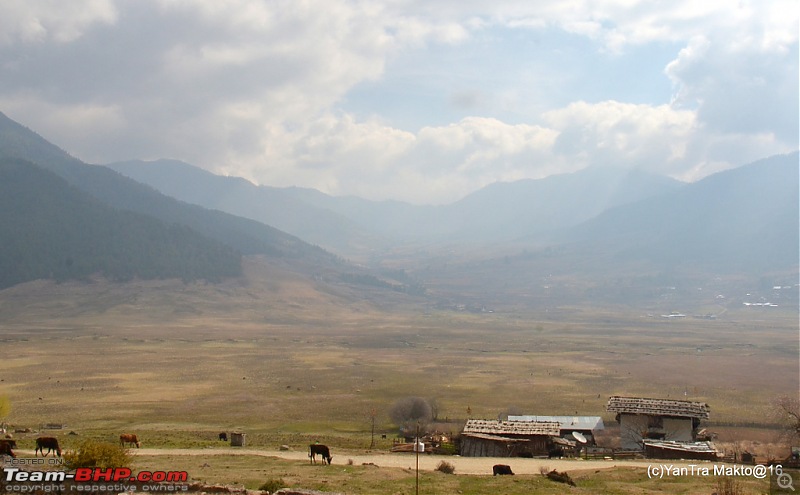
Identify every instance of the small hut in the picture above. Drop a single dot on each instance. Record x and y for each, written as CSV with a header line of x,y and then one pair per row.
x,y
237,439
492,438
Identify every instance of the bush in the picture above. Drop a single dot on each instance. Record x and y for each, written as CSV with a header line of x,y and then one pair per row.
x,y
273,485
445,467
728,486
92,453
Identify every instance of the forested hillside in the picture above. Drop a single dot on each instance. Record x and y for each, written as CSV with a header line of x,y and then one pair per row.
x,y
50,229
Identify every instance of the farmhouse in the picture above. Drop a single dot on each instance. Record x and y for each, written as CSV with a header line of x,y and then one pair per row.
x,y
585,425
492,438
643,419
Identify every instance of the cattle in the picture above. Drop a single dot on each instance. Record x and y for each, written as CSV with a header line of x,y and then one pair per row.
x,y
129,438
10,442
322,450
50,443
6,446
223,436
501,469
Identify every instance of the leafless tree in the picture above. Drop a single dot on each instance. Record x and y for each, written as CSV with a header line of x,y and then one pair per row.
x,y
410,411
786,411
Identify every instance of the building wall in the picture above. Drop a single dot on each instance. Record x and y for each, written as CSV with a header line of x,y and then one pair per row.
x,y
633,427
481,447
678,429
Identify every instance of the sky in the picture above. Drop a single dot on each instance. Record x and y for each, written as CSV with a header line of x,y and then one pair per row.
x,y
419,101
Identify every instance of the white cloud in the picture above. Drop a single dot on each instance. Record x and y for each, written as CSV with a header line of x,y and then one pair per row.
x,y
259,88
37,21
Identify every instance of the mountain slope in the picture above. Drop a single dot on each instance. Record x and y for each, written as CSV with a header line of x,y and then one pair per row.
x,y
526,208
247,236
52,230
745,219
269,205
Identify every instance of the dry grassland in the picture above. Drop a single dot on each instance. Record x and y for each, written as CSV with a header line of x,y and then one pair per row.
x,y
290,359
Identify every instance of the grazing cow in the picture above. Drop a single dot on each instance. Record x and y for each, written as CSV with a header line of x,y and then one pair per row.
x,y
223,436
501,469
129,438
6,446
322,450
50,443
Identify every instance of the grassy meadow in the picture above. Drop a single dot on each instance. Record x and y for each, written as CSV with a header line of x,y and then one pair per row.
x,y
289,360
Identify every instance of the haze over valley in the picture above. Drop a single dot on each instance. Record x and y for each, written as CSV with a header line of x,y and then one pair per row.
x,y
298,221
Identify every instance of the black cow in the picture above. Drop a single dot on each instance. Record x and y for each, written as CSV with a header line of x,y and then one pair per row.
x,y
223,436
50,443
322,450
6,446
501,469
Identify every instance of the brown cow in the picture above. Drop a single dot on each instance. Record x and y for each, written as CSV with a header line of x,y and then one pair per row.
x,y
6,446
130,438
50,442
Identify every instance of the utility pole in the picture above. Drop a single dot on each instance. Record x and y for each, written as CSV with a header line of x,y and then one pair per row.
x,y
416,450
372,414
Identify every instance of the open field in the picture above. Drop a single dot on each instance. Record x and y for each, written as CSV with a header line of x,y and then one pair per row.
x,y
368,472
290,360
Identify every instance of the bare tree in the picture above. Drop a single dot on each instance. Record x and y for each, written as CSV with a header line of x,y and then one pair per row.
x,y
786,411
409,411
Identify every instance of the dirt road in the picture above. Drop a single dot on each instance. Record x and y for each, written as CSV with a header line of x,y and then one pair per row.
x,y
463,465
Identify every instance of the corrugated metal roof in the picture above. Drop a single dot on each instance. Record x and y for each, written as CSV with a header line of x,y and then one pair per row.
x,y
658,407
494,427
698,447
567,422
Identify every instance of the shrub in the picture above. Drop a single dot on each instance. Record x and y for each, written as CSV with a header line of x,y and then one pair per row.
x,y
728,486
445,467
273,485
92,453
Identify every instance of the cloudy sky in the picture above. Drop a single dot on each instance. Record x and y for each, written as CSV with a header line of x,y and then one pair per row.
x,y
422,101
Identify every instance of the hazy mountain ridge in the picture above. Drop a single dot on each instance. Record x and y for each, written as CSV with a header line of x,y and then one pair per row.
x,y
235,195
106,185
603,222
736,220
744,219
499,212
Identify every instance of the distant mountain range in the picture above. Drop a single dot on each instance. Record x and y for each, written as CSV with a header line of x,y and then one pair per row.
x,y
167,213
745,219
71,191
500,212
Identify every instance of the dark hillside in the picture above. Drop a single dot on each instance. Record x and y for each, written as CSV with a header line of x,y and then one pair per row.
x,y
246,236
49,229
